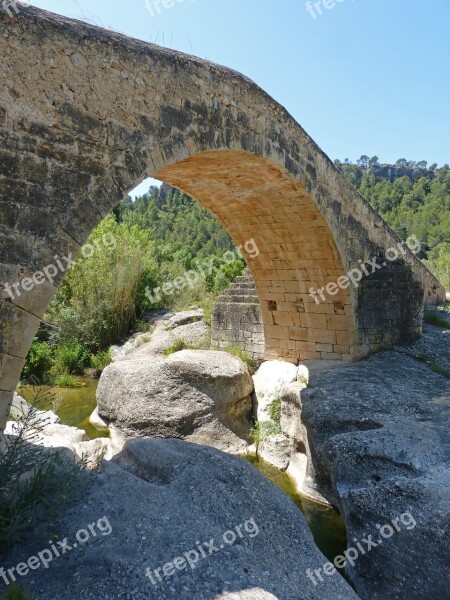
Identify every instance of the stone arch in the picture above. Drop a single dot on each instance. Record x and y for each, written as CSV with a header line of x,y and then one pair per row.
x,y
257,200
87,114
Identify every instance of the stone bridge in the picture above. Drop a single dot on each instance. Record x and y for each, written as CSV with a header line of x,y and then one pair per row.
x,y
87,114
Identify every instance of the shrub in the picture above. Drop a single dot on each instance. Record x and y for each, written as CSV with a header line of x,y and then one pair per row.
x,y
101,360
262,430
67,381
439,263
207,305
35,482
39,361
104,293
70,357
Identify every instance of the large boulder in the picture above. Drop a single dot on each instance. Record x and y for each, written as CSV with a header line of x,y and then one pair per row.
x,y
172,520
46,430
379,448
45,427
20,408
199,395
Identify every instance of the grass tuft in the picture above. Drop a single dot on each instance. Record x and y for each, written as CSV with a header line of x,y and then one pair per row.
x,y
440,370
100,361
67,381
177,345
434,319
239,352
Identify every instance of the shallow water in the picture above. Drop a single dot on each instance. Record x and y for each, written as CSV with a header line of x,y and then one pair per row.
x,y
76,404
325,522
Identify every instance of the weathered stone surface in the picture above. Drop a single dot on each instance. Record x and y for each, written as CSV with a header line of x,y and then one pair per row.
x,y
167,329
96,421
184,318
269,380
291,424
51,433
93,452
203,396
79,130
237,318
433,347
164,498
378,446
276,381
276,449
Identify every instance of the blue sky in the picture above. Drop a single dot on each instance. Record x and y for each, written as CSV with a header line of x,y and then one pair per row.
x,y
364,77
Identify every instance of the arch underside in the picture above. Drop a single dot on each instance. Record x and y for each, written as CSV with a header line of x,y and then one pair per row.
x,y
256,200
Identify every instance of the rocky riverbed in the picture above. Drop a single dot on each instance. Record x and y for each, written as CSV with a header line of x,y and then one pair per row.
x,y
371,438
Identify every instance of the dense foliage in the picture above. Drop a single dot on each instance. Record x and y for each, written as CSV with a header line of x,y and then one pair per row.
x,y
183,232
413,199
157,238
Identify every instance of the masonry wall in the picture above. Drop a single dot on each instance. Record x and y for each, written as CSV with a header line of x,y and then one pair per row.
x,y
237,318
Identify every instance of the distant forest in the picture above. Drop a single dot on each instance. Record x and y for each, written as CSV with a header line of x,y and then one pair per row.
x,y
414,199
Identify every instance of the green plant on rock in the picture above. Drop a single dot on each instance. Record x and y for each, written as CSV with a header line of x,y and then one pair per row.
x,y
275,411
35,482
434,319
177,345
440,370
434,366
15,592
262,430
239,352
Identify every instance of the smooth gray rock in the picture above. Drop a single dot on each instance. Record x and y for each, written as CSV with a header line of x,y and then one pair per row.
x,y
379,447
164,498
20,409
168,327
203,396
97,421
184,318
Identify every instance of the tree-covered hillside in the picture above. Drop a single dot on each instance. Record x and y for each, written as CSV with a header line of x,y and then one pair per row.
x,y
182,230
413,199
